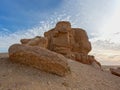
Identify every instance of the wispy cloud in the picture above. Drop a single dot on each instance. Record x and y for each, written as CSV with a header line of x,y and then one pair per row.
x,y
106,50
8,39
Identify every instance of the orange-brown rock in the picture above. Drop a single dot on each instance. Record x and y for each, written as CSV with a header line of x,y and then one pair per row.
x,y
115,71
39,58
37,41
87,59
81,43
24,41
73,43
63,26
94,62
64,39
58,38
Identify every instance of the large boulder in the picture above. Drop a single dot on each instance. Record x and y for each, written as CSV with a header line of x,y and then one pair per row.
x,y
39,58
81,43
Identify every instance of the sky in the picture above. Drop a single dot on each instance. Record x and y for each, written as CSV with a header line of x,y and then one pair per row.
x,y
29,18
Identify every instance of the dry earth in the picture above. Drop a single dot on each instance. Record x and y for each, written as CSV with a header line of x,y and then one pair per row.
x,y
82,77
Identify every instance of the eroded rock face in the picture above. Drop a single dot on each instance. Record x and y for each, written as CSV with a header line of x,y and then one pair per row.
x,y
24,41
81,43
39,58
44,52
37,41
64,39
73,43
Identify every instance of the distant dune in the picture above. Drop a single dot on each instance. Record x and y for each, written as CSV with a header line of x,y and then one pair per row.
x,y
83,77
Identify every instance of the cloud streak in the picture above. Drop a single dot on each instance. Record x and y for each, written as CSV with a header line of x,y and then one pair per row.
x,y
106,50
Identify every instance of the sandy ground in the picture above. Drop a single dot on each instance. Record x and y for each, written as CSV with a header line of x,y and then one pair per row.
x,y
82,77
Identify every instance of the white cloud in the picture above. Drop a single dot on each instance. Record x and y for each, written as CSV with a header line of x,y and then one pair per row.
x,y
106,43
106,50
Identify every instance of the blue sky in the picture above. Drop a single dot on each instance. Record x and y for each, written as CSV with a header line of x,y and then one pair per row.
x,y
29,18
22,14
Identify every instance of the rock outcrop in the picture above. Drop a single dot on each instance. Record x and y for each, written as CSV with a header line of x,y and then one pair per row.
x,y
37,41
73,43
64,39
115,71
44,52
39,58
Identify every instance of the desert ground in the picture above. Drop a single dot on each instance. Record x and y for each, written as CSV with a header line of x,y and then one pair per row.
x,y
83,77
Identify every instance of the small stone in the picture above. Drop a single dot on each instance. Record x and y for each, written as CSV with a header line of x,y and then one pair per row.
x,y
65,84
48,82
115,71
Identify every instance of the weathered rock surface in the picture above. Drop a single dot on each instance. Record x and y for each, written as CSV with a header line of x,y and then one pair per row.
x,y
24,41
64,39
73,43
39,58
115,71
37,41
44,52
58,38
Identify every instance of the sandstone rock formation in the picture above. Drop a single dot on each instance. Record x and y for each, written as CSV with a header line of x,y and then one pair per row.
x,y
40,52
115,71
40,58
37,41
73,43
64,39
